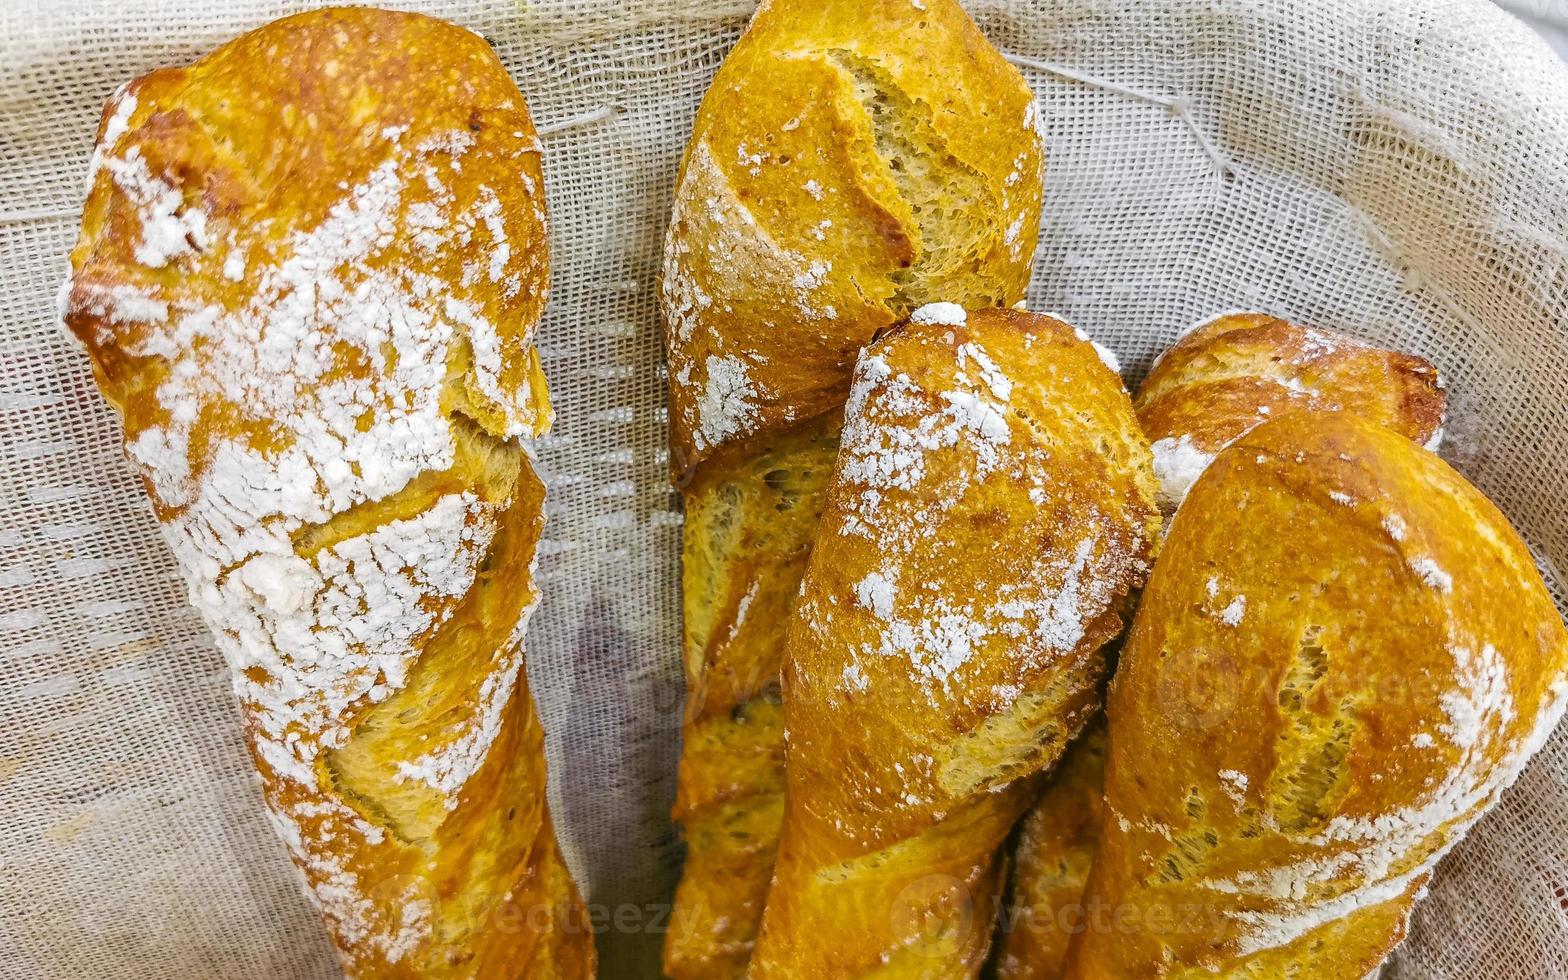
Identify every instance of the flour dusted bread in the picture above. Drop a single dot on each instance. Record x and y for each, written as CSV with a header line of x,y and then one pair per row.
x,y
1342,658
851,161
309,272
1238,370
991,510
1223,378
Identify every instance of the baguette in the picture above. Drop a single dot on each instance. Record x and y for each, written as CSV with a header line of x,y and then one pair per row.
x,y
1237,370
310,269
1343,656
1051,862
852,160
1222,378
991,510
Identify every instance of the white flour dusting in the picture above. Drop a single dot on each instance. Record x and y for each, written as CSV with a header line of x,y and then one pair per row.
x,y
875,592
1432,573
1365,855
1232,614
340,349
1177,465
894,427
1395,526
855,678
170,228
119,123
1106,356
729,401
1000,384
949,314
1234,784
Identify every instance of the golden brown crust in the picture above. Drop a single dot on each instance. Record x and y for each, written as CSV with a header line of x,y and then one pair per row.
x,y
256,141
1343,656
992,505
750,523
1223,378
852,160
1051,862
1237,370
310,269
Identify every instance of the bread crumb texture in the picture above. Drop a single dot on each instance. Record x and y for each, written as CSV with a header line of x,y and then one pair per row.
x,y
853,160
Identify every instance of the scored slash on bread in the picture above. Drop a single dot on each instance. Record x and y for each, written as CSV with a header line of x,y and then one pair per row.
x,y
1293,772
852,161
991,511
309,274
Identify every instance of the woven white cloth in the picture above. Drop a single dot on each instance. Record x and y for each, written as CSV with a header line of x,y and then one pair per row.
x,y
1395,168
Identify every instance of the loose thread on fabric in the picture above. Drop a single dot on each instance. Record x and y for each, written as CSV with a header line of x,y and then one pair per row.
x,y
1175,105
591,118
1415,280
38,214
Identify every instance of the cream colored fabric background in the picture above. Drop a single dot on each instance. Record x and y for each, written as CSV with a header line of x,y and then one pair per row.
x,y
1394,167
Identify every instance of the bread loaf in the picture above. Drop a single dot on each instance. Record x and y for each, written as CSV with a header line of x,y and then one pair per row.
x,y
991,510
1237,370
1343,656
749,528
309,273
852,160
1051,862
1224,377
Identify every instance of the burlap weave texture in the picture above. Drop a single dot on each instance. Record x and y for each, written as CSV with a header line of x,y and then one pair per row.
x,y
1394,168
